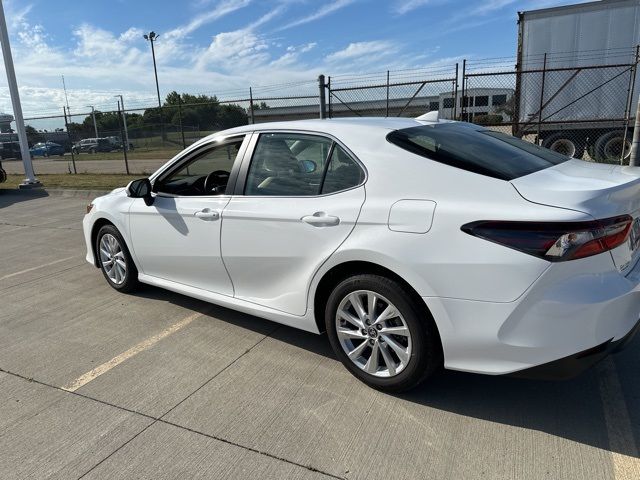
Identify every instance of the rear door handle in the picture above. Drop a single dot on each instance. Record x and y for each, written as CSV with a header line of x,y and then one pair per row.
x,y
321,219
207,214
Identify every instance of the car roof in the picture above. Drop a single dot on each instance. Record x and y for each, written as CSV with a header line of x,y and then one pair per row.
x,y
330,126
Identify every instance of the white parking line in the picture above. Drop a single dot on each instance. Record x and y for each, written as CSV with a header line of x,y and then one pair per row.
x,y
60,260
117,360
626,466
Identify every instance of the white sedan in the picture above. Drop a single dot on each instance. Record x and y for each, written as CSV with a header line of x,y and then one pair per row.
x,y
415,244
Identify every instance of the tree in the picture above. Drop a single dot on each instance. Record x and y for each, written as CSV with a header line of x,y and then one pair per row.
x,y
32,135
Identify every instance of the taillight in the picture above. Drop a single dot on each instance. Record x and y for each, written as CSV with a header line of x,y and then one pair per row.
x,y
555,241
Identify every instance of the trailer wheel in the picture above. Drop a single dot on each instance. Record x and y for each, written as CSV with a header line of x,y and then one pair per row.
x,y
564,145
609,147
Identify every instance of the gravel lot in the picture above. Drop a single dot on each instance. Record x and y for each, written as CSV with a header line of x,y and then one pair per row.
x,y
96,384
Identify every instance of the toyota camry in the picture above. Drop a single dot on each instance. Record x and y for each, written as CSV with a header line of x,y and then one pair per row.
x,y
415,244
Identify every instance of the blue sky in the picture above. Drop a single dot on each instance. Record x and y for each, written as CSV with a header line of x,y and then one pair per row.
x,y
213,46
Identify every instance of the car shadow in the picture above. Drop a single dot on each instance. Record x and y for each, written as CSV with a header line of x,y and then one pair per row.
x,y
571,409
10,196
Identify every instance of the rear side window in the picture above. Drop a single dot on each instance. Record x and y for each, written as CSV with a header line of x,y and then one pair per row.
x,y
477,150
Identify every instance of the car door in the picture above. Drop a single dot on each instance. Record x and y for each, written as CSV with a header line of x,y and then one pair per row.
x,y
177,238
297,202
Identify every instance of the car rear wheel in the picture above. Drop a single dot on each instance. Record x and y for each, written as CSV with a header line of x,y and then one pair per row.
x,y
381,336
115,260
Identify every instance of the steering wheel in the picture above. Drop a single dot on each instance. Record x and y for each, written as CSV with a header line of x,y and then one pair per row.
x,y
215,179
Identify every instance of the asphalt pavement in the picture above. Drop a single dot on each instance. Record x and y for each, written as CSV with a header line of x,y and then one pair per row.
x,y
98,384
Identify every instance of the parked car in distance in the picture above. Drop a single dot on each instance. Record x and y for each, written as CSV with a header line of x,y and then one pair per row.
x,y
10,150
116,143
92,145
46,149
414,243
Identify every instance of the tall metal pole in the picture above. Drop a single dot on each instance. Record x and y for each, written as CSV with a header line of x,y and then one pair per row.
x,y
455,95
155,70
30,181
544,74
323,105
251,114
124,121
629,105
124,150
93,115
387,111
66,124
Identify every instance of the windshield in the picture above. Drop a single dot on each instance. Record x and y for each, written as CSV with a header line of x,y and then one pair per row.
x,y
476,149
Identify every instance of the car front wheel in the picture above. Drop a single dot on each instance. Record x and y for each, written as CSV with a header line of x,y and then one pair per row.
x,y
380,334
115,260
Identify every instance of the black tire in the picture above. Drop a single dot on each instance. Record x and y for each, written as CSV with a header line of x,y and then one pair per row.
x,y
3,175
426,356
608,147
565,144
130,282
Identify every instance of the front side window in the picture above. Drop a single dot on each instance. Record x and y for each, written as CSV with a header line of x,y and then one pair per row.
x,y
205,174
289,164
476,149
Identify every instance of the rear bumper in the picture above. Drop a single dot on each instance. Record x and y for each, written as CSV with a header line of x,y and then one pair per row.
x,y
572,316
573,365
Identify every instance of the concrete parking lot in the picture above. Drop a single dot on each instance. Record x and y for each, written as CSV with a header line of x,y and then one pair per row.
x,y
97,384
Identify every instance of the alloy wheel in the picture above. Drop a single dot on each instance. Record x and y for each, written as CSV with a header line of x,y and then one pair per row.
x,y
373,333
112,259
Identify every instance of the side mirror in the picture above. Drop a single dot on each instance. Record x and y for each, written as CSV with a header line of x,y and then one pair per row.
x,y
308,166
141,189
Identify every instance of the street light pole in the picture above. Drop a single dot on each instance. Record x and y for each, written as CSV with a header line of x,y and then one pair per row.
x,y
93,115
30,181
151,37
124,121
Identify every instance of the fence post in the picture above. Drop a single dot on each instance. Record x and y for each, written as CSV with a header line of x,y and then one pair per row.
x,y
253,120
455,94
544,74
635,144
323,105
124,147
387,93
627,111
66,124
184,144
330,100
464,86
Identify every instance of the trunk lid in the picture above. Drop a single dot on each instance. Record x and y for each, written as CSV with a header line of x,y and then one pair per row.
x,y
598,190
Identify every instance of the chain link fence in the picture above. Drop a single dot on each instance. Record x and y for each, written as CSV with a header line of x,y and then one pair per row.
x,y
579,105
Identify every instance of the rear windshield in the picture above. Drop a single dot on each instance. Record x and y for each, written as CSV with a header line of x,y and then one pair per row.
x,y
476,149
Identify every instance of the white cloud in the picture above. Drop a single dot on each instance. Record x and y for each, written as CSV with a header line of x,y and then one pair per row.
x,y
363,50
405,6
224,7
230,50
323,11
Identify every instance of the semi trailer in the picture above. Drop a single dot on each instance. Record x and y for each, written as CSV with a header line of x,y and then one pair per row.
x,y
576,87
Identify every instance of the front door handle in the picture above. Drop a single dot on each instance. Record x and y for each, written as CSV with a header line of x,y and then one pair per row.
x,y
321,219
207,214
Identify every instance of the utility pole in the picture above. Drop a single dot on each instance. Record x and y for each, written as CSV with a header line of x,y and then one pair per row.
x,y
93,115
124,121
30,181
152,37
